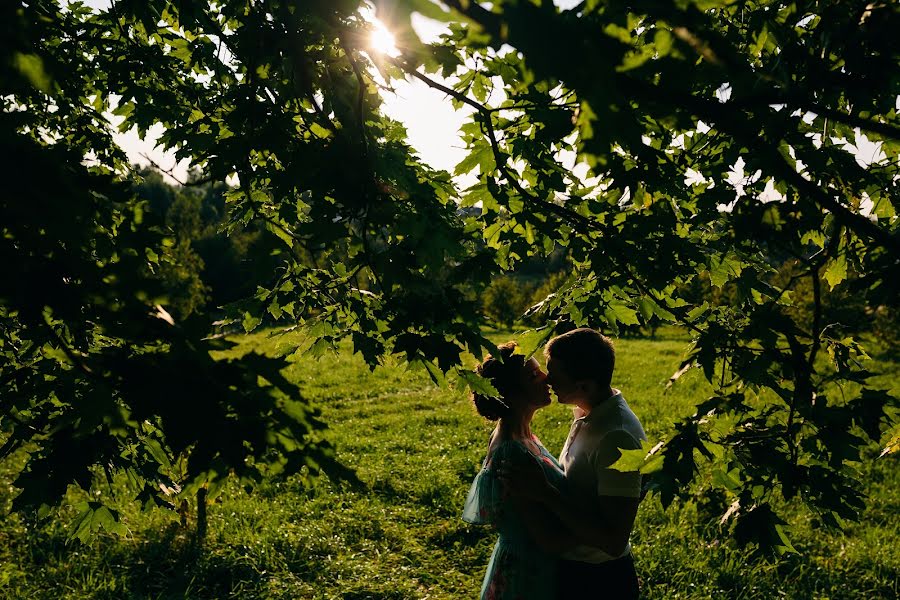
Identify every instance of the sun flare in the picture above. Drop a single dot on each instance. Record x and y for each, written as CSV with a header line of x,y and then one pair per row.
x,y
382,40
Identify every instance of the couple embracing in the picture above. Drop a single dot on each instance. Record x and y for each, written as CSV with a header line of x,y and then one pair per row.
x,y
563,525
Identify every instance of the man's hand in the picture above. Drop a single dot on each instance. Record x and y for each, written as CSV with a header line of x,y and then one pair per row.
x,y
525,480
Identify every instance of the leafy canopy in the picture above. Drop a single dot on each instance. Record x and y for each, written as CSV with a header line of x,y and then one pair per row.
x,y
661,99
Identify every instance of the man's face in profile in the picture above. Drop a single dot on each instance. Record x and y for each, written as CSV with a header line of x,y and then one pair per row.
x,y
565,388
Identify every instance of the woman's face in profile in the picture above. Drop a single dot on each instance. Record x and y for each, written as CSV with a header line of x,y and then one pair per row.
x,y
535,388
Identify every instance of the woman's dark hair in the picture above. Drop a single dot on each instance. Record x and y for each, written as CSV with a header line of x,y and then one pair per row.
x,y
504,374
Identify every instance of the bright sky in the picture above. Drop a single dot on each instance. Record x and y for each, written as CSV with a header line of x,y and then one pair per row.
x,y
430,120
432,124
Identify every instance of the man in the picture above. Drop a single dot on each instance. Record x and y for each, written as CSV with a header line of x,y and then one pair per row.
x,y
599,506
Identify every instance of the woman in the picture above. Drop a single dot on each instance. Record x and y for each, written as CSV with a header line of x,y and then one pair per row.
x,y
519,568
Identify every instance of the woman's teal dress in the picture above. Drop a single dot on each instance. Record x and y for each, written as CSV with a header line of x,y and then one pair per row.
x,y
519,569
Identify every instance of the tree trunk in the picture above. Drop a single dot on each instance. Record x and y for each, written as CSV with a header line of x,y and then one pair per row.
x,y
201,515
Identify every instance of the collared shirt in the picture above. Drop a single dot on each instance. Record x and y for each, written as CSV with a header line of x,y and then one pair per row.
x,y
592,446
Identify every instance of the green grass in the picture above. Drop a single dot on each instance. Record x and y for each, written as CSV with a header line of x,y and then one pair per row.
x,y
416,448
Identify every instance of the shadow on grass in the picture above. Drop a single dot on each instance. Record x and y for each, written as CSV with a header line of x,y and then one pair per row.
x,y
856,579
431,495
173,566
374,594
167,565
461,535
734,576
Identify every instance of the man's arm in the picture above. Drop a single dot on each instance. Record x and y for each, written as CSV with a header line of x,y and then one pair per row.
x,y
601,521
605,522
544,527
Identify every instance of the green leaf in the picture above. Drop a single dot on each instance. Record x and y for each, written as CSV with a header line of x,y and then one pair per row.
x,y
786,545
761,525
529,341
492,234
156,451
437,376
724,268
645,307
646,459
275,310
729,480
835,271
817,238
882,206
95,516
696,312
760,41
429,9
481,156
250,322
649,307
892,446
623,314
319,131
477,383
662,39
476,194
32,68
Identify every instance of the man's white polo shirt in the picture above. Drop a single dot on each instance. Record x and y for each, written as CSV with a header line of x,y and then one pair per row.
x,y
593,444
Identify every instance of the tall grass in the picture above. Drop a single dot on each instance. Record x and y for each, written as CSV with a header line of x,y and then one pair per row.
x,y
416,447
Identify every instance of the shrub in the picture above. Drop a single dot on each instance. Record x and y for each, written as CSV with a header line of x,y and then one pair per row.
x,y
506,300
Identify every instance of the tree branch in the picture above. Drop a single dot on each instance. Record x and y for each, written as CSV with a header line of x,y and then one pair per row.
x,y
711,111
570,216
817,317
360,97
171,173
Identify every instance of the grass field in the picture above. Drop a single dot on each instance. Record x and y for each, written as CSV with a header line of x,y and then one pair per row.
x,y
416,447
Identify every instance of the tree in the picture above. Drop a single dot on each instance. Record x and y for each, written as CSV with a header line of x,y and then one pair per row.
x,y
506,300
284,97
210,269
662,100
91,359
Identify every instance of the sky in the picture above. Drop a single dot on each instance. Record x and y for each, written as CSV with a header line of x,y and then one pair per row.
x,y
433,125
431,122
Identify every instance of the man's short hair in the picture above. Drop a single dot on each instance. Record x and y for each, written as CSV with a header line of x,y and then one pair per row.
x,y
585,354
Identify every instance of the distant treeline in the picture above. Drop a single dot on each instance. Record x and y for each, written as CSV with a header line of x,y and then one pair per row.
x,y
213,269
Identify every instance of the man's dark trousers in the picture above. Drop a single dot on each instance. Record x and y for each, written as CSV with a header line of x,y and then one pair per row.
x,y
613,580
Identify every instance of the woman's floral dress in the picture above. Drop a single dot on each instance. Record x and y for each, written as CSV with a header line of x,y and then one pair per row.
x,y
518,569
